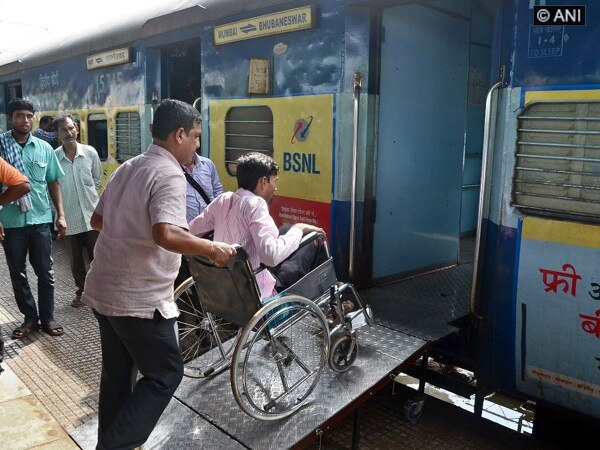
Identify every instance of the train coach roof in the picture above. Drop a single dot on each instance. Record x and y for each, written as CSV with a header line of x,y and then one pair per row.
x,y
44,34
52,33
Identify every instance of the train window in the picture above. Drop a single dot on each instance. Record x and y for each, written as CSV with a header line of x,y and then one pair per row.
x,y
247,129
12,90
129,138
557,170
97,135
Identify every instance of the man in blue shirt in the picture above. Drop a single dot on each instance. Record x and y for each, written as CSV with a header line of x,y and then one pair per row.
x,y
28,223
203,185
203,172
46,131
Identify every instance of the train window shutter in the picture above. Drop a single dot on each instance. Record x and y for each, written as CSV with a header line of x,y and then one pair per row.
x,y
128,135
557,170
247,129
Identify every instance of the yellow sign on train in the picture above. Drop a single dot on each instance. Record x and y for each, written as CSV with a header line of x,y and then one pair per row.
x,y
253,27
302,143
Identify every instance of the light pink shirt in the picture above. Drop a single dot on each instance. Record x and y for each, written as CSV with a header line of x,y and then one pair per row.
x,y
243,218
131,275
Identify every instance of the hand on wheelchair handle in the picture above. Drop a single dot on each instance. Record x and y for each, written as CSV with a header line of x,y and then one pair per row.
x,y
220,253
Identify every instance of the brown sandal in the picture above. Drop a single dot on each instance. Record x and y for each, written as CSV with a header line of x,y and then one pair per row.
x,y
53,329
25,329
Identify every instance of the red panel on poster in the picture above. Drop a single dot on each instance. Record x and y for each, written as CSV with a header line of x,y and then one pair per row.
x,y
294,210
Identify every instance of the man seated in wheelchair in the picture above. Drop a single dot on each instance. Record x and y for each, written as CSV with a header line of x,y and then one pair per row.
x,y
243,217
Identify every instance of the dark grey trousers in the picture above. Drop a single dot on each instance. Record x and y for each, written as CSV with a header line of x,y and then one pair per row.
x,y
76,244
128,409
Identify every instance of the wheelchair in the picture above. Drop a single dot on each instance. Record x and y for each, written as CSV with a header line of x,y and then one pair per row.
x,y
275,350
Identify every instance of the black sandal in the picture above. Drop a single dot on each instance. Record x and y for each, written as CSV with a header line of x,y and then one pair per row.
x,y
53,329
25,329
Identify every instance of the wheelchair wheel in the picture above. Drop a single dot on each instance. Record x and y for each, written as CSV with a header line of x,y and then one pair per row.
x,y
279,357
205,340
343,352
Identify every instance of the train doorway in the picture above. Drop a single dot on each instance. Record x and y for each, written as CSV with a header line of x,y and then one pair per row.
x,y
8,92
97,134
425,198
181,73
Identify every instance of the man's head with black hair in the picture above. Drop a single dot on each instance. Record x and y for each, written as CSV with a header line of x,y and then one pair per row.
x,y
18,104
20,117
173,114
176,128
46,123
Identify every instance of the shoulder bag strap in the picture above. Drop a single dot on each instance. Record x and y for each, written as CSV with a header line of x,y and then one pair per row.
x,y
196,186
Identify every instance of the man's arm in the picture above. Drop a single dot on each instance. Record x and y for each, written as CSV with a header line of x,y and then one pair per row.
x,y
306,228
56,195
14,192
176,239
17,183
96,167
96,221
203,223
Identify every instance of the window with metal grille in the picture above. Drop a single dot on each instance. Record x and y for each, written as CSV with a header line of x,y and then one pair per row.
x,y
557,171
128,135
247,129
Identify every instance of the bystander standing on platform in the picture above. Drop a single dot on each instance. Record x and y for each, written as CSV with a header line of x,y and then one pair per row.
x,y
28,223
83,169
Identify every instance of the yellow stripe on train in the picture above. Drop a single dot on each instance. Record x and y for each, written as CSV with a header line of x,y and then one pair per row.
x,y
562,95
561,232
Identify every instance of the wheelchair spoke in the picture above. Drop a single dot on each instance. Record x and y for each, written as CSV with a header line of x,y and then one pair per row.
x,y
205,340
276,372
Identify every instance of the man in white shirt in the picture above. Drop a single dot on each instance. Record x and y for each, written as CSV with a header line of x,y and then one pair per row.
x,y
83,169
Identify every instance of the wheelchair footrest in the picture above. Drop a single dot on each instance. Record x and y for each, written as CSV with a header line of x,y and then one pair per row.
x,y
358,319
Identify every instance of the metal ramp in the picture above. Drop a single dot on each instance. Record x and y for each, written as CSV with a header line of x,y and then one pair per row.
x,y
203,411
411,316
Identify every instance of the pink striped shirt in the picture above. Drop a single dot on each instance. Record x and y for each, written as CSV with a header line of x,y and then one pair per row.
x,y
242,217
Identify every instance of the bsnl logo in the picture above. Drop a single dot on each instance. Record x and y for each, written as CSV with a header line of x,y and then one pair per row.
x,y
300,162
558,15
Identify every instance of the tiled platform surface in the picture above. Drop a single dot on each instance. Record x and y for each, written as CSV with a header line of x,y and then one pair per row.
x,y
24,421
61,374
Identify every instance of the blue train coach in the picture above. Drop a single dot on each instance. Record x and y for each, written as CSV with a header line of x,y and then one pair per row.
x,y
411,131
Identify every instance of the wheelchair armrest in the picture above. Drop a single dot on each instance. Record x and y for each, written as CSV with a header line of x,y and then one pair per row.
x,y
306,239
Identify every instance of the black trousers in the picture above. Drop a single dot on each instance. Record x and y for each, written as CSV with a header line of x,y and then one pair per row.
x,y
129,410
76,244
295,267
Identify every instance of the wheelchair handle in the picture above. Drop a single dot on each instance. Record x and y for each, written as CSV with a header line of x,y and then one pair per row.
x,y
241,253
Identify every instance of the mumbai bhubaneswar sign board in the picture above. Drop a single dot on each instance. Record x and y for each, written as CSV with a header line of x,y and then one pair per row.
x,y
109,58
280,22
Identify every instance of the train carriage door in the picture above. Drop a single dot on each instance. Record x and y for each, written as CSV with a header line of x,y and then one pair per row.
x,y
423,89
97,134
181,73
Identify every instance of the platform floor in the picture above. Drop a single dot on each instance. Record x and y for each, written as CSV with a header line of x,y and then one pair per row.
x,y
62,374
